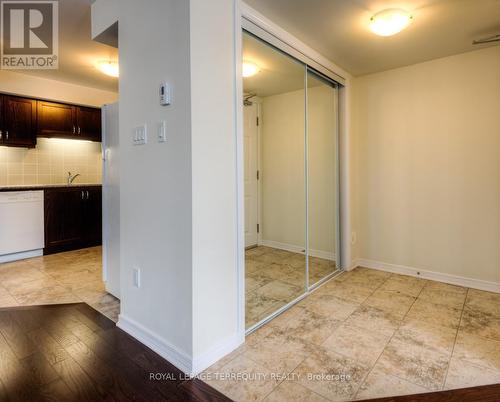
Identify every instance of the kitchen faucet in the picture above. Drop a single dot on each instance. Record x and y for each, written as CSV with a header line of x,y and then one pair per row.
x,y
72,178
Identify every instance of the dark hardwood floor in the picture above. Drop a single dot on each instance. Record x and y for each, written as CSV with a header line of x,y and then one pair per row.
x,y
71,352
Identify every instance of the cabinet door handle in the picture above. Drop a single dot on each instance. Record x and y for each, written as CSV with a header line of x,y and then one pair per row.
x,y
82,195
74,129
7,134
1,135
79,130
87,195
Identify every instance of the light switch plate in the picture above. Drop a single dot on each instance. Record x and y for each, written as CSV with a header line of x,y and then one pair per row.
x,y
140,135
162,131
136,277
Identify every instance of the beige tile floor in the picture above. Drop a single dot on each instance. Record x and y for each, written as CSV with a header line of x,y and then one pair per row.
x,y
74,276
273,278
368,334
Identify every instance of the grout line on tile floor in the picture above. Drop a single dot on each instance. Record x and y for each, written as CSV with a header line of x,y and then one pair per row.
x,y
456,338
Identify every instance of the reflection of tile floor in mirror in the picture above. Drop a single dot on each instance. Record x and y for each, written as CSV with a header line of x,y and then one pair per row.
x,y
387,334
275,277
69,277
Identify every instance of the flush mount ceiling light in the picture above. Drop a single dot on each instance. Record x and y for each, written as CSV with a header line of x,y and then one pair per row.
x,y
249,69
390,22
109,68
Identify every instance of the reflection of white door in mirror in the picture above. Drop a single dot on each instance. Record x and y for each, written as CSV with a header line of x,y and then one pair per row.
x,y
250,132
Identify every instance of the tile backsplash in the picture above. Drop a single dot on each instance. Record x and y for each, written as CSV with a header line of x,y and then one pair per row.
x,y
50,162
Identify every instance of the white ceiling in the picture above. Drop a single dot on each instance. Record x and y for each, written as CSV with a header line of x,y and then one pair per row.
x,y
339,29
78,53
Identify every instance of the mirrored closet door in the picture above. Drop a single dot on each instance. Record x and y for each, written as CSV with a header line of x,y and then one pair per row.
x,y
322,172
290,162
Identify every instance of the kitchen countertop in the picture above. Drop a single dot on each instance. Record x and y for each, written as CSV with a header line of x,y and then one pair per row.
x,y
44,186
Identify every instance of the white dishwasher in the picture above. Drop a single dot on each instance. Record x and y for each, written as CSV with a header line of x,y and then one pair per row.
x,y
21,225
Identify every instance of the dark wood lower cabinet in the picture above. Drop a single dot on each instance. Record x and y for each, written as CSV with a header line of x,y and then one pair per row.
x,y
73,218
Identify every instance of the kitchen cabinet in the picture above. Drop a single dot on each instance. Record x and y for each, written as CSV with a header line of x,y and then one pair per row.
x,y
89,123
68,121
17,121
73,218
55,119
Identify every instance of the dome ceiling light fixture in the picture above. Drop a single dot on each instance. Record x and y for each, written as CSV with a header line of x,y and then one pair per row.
x,y
249,69
110,68
390,21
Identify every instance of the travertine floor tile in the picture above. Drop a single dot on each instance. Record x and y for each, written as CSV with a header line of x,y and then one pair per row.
x,y
481,324
242,380
345,291
331,375
462,374
291,391
447,295
391,301
69,277
407,285
372,319
415,364
420,333
307,325
379,384
483,302
436,314
479,351
329,306
357,344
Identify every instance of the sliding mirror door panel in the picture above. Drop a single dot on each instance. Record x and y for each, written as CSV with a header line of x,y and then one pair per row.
x,y
322,177
275,179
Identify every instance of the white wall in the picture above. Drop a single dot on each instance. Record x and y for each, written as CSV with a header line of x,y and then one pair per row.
x,y
32,86
213,142
428,171
283,175
178,199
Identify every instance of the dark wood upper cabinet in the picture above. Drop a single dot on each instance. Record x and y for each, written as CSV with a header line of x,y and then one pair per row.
x,y
68,121
55,119
88,123
18,121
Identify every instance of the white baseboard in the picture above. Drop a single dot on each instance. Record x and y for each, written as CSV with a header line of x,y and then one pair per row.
x,y
179,358
297,249
223,348
432,275
21,256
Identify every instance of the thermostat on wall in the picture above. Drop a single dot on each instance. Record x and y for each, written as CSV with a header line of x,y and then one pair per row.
x,y
165,94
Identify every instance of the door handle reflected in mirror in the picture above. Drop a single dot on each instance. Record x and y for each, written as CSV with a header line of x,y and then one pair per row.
x,y
82,195
74,129
79,130
7,135
87,195
1,135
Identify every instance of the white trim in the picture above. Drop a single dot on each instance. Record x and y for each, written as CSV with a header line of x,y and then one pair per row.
x,y
177,357
220,350
239,166
298,249
267,25
21,256
432,275
165,349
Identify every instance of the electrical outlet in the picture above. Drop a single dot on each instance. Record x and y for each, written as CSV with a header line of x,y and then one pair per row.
x,y
354,238
136,277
